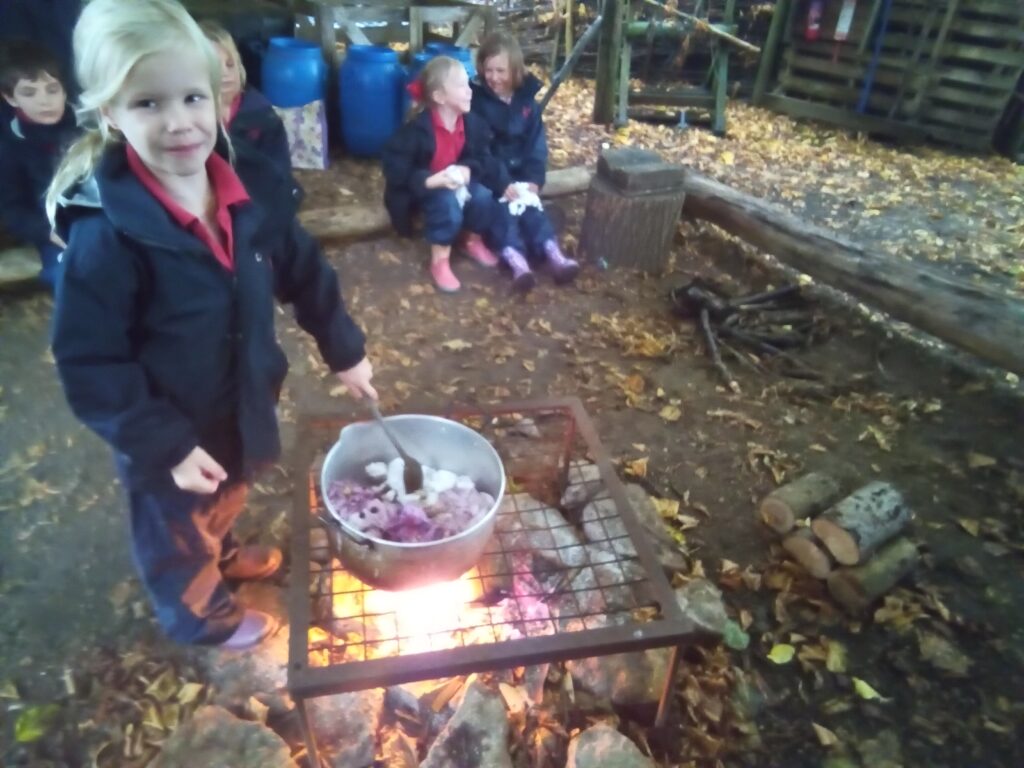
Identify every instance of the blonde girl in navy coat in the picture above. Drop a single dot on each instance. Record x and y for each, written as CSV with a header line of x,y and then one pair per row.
x,y
163,329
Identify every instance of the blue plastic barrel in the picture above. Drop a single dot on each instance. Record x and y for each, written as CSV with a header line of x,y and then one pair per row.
x,y
371,83
456,52
294,72
419,61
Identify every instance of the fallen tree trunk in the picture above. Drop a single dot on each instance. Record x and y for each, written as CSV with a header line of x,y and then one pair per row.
x,y
981,322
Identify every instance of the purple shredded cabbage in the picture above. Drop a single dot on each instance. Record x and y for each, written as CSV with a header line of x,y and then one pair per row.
x,y
363,508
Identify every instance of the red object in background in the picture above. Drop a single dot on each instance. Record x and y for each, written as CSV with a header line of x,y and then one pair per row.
x,y
812,30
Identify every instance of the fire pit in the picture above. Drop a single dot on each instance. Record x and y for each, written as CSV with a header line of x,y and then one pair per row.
x,y
567,574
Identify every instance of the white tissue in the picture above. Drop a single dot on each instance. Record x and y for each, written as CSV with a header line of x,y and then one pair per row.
x,y
525,198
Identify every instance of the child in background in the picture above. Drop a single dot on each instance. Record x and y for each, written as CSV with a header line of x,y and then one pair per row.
x,y
505,100
31,145
163,329
246,113
439,162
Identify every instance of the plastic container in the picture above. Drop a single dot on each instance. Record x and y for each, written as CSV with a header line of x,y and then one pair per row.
x,y
459,54
416,65
294,72
371,83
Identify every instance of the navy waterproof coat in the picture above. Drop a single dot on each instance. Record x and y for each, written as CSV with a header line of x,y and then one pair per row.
x,y
407,157
29,153
517,127
159,347
257,124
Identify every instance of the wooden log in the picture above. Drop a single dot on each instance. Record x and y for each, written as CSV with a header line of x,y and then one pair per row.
x,y
805,497
982,322
857,588
863,521
804,547
368,219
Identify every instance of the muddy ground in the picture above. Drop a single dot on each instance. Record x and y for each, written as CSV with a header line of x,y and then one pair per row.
x,y
948,438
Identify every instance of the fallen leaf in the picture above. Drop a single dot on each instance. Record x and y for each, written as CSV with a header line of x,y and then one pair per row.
x,y
865,691
670,413
33,723
637,467
943,655
835,661
529,365
973,527
825,737
781,653
667,508
978,460
456,345
189,692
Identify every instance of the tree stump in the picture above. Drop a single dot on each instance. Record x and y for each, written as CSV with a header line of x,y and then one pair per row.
x,y
863,521
633,208
804,497
857,588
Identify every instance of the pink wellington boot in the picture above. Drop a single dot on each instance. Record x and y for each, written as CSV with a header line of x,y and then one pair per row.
x,y
563,268
444,278
523,279
474,247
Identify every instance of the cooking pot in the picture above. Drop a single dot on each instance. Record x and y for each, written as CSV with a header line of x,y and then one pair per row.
x,y
435,442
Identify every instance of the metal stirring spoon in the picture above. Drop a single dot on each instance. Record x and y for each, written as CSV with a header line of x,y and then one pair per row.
x,y
413,472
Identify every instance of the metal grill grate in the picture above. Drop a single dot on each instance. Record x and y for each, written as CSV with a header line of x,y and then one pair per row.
x,y
567,574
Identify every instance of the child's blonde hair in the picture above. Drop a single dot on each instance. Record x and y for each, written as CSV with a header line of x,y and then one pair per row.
x,y
215,33
502,42
110,38
431,78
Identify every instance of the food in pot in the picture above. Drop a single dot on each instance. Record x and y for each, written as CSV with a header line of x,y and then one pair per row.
x,y
447,504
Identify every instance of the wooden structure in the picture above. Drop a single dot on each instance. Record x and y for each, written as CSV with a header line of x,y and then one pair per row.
x,y
910,69
393,21
633,208
625,28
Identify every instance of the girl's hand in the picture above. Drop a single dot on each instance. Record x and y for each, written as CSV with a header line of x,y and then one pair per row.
x,y
466,173
533,188
443,180
199,473
357,379
511,192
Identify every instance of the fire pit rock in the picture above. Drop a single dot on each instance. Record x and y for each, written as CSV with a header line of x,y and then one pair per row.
x,y
604,747
216,737
346,726
477,736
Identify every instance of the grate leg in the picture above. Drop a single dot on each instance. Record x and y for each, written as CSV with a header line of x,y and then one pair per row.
x,y
307,734
666,692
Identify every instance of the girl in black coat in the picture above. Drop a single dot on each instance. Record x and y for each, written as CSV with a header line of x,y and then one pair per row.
x,y
163,327
247,114
439,162
503,96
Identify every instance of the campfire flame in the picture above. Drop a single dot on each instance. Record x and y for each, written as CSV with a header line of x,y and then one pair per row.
x,y
425,617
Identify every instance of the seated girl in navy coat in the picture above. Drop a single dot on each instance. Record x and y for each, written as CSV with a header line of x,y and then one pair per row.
x,y
248,116
505,99
439,162
163,328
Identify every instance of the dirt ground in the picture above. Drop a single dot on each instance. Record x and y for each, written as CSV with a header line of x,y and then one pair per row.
x,y
943,655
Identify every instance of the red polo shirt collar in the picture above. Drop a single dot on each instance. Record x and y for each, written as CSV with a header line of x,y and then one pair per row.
x,y
447,144
227,190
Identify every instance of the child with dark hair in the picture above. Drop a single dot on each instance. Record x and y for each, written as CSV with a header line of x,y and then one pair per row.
x,y
31,144
503,96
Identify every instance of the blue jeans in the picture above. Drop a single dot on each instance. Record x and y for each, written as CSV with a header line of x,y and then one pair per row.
x,y
535,229
443,219
180,542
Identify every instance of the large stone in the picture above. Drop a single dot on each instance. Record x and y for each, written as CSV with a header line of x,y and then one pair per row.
x,y
261,672
527,524
476,737
701,602
398,750
625,679
216,737
604,747
346,726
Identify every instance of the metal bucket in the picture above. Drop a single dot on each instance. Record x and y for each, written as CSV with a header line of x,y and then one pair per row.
x,y
435,442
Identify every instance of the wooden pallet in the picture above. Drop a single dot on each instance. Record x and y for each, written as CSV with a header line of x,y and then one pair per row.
x,y
942,69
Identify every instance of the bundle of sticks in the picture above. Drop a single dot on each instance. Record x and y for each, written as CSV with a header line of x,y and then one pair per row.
x,y
752,328
852,541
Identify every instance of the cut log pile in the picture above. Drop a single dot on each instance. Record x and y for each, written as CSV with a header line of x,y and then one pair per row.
x,y
852,542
